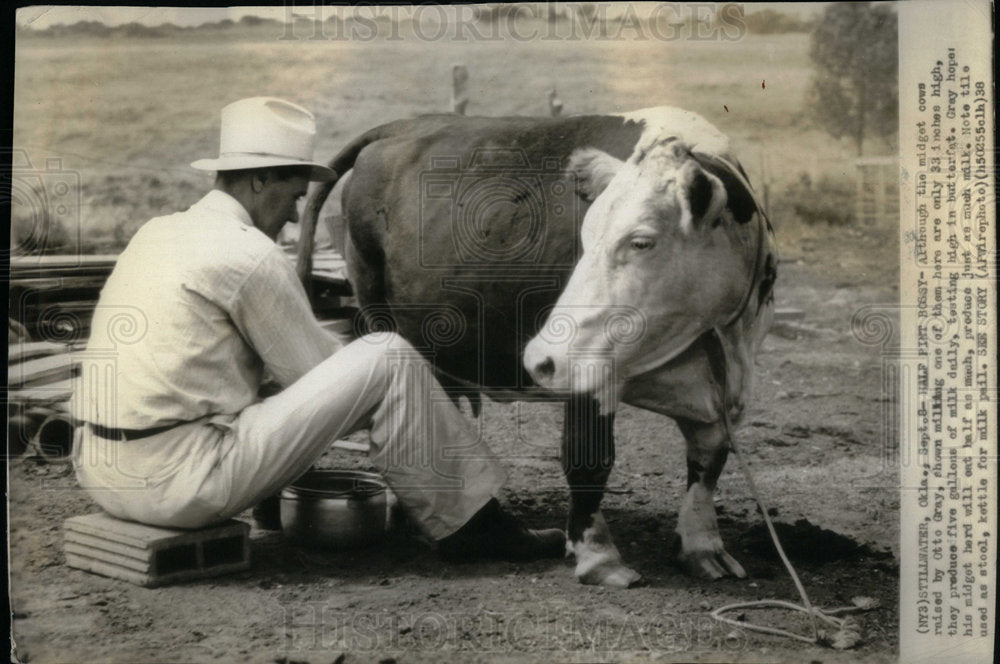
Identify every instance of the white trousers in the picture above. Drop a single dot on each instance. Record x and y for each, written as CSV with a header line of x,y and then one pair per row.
x,y
207,471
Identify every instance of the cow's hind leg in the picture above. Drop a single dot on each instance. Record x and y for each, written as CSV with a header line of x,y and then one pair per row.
x,y
701,550
588,455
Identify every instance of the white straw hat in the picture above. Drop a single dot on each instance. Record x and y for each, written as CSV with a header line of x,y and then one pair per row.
x,y
265,131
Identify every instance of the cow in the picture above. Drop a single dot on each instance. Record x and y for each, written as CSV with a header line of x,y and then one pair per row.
x,y
595,259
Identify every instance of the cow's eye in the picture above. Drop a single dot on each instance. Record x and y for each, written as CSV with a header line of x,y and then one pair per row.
x,y
642,243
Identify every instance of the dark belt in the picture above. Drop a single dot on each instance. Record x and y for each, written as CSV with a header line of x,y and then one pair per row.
x,y
128,434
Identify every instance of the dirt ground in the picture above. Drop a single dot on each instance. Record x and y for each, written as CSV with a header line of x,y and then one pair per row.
x,y
814,437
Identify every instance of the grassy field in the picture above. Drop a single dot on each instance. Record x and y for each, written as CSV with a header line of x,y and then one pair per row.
x,y
124,117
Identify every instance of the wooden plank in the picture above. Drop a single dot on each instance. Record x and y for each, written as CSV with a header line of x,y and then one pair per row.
x,y
61,273
82,309
329,258
32,349
43,370
63,261
73,306
49,282
42,394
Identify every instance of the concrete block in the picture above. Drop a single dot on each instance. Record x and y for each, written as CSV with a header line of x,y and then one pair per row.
x,y
150,556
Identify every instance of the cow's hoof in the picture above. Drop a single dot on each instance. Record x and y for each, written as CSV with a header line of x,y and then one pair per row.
x,y
610,574
711,564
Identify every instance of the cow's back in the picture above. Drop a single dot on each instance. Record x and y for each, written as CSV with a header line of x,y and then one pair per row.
x,y
466,229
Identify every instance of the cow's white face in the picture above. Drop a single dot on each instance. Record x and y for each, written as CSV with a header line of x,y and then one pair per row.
x,y
663,261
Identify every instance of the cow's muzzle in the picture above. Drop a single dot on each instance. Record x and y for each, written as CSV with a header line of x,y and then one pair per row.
x,y
540,361
564,370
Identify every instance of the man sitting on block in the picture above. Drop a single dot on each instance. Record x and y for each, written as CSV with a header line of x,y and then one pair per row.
x,y
200,304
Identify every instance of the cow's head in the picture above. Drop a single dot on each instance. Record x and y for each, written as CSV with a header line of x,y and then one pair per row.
x,y
668,254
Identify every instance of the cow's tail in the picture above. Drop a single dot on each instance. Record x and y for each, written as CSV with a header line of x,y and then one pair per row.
x,y
343,162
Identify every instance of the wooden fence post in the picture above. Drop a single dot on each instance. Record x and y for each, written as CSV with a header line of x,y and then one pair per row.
x,y
459,89
555,103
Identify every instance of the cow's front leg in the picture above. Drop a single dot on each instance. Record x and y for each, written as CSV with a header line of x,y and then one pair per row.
x,y
701,550
588,454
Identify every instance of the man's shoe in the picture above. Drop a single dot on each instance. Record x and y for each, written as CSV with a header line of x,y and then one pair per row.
x,y
267,513
494,534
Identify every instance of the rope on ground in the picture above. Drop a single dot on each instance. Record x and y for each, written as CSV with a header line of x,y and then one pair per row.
x,y
848,632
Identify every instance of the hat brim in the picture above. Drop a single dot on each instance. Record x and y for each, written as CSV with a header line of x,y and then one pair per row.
x,y
318,172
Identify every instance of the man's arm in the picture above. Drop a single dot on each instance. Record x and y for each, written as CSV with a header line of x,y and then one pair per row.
x,y
272,312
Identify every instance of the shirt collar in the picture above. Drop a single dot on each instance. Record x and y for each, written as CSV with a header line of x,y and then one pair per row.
x,y
223,203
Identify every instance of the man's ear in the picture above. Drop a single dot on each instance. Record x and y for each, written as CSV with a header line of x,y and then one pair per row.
x,y
258,180
593,170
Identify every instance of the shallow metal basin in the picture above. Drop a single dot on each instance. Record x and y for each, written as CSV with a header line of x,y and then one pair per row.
x,y
336,509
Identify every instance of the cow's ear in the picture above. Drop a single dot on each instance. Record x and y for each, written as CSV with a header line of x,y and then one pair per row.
x,y
742,200
704,194
593,170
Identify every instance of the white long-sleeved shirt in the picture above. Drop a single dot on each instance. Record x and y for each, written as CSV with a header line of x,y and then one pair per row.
x,y
199,303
